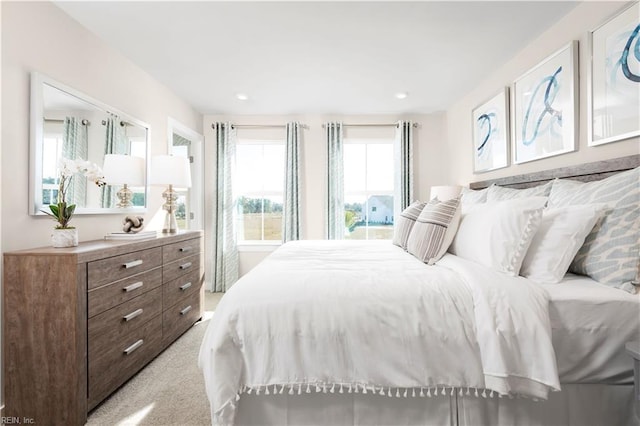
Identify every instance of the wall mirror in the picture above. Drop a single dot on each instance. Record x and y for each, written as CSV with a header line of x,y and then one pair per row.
x,y
66,123
186,142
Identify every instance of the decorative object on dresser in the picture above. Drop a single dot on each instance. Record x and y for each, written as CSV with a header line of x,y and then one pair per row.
x,y
132,224
491,133
125,170
64,235
79,322
171,171
613,87
545,107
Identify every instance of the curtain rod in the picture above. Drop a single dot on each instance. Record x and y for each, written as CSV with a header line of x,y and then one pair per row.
x,y
122,123
415,125
56,120
259,126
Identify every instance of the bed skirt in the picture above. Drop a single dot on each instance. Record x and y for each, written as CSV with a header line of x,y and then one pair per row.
x,y
577,405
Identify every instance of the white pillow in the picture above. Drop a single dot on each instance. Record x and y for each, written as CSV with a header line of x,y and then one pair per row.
x,y
434,229
470,197
498,234
559,237
499,193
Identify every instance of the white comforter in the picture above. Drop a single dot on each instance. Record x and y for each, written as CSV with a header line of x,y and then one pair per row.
x,y
344,316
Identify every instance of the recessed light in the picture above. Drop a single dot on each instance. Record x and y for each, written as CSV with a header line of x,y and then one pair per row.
x,y
401,95
242,96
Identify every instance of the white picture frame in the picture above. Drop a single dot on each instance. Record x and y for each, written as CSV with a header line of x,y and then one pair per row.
x,y
490,135
545,107
613,87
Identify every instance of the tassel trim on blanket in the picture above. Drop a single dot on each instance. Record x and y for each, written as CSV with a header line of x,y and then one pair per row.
x,y
389,391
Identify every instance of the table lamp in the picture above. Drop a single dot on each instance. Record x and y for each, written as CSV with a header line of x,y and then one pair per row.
x,y
172,171
445,192
125,170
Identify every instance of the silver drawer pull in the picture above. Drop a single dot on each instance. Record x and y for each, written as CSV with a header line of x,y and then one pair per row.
x,y
185,310
185,265
183,249
132,264
184,287
133,286
133,347
132,315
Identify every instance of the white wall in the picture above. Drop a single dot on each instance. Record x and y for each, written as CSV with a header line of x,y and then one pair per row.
x,y
37,36
428,152
574,26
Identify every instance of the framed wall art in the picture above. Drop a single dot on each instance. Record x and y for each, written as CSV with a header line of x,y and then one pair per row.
x,y
614,79
491,133
545,112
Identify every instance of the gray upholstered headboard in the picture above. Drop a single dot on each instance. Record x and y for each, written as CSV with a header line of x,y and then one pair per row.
x,y
583,172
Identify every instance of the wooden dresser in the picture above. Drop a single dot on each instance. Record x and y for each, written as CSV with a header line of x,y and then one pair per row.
x,y
79,322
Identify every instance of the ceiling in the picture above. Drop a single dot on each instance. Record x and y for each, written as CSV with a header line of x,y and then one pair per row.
x,y
318,57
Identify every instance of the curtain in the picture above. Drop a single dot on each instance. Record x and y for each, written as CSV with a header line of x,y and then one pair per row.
x,y
335,187
74,146
116,142
225,243
291,217
404,171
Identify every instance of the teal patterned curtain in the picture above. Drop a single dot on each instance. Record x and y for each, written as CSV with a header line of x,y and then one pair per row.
x,y
291,217
74,146
335,187
116,142
404,171
225,243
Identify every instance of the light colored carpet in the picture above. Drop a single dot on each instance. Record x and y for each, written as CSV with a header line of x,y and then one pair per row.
x,y
167,392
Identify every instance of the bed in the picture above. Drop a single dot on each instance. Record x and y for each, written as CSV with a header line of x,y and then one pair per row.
x,y
345,332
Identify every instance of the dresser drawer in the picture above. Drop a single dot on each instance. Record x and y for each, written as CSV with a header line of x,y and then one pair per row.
x,y
178,289
180,267
178,318
107,328
108,296
176,251
116,268
114,365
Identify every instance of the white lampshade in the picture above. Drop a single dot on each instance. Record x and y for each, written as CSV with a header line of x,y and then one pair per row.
x,y
121,169
445,192
170,170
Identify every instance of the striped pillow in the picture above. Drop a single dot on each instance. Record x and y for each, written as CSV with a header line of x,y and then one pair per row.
x,y
500,193
405,223
611,252
434,230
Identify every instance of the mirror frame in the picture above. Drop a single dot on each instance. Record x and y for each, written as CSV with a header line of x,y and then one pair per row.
x,y
36,146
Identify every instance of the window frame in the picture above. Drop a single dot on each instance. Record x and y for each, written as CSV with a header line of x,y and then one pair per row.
x,y
367,193
266,245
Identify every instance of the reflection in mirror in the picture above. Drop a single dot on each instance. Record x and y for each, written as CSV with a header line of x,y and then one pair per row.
x,y
185,142
68,124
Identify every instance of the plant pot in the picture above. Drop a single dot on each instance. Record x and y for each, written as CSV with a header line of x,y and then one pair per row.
x,y
67,237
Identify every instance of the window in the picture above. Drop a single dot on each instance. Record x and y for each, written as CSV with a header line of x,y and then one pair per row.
x,y
259,184
368,189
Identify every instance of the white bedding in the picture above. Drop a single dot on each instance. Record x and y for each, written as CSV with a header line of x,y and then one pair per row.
x,y
345,316
590,324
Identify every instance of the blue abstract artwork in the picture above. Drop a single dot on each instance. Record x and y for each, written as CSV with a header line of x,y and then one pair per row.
x,y
614,79
545,107
490,133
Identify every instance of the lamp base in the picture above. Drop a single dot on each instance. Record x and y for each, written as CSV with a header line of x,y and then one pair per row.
x,y
170,223
125,195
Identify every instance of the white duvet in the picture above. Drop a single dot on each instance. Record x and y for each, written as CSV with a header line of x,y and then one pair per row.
x,y
345,316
